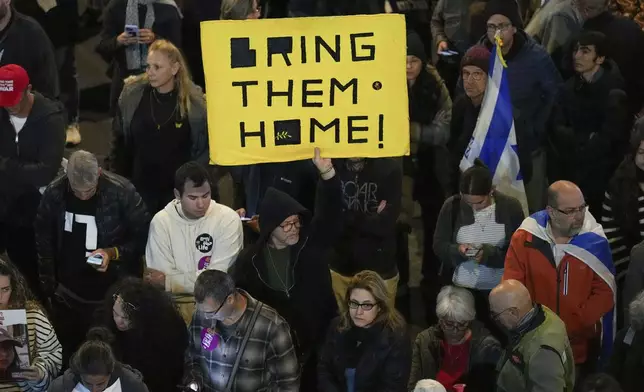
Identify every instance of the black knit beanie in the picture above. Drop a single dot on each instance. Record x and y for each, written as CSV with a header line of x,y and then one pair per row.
x,y
507,8
415,46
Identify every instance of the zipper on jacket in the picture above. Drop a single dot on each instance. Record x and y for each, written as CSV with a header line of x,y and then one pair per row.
x,y
286,291
558,286
17,146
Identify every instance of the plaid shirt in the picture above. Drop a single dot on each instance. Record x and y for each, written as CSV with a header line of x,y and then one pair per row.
x,y
269,362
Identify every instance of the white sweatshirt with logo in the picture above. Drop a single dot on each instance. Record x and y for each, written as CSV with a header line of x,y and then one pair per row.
x,y
182,248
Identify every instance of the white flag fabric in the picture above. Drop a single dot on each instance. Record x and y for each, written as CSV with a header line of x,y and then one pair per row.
x,y
494,140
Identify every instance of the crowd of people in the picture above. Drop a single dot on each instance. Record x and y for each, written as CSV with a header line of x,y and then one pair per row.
x,y
134,277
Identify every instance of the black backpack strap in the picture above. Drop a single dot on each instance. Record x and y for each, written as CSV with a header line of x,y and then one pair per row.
x,y
249,330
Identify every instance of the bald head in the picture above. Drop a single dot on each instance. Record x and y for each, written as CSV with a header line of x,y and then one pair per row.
x,y
563,189
511,293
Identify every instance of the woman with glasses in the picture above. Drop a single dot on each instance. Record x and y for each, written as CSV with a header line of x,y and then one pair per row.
x,y
149,333
45,352
93,368
473,233
459,350
367,348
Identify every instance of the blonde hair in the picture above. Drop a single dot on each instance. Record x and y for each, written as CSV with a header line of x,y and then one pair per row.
x,y
376,286
182,80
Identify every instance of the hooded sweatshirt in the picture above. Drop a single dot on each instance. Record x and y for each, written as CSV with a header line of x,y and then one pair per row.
x,y
368,237
308,303
182,248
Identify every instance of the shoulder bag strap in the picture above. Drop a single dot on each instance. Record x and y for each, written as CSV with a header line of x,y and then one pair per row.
x,y
249,330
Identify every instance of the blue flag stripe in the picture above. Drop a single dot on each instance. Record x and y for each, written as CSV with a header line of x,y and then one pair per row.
x,y
500,125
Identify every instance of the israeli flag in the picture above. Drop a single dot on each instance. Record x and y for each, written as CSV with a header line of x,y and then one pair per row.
x,y
494,140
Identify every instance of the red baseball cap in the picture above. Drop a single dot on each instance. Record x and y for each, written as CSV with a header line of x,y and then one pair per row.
x,y
13,82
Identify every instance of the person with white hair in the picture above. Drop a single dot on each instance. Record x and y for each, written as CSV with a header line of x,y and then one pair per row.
x,y
91,229
628,351
457,350
429,386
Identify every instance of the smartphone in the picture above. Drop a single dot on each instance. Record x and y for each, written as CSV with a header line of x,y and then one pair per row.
x,y
132,30
448,53
95,259
244,219
471,252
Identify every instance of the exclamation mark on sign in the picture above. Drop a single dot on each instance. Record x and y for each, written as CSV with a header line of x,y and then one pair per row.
x,y
381,125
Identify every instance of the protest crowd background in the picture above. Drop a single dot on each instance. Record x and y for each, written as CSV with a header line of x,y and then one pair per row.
x,y
504,253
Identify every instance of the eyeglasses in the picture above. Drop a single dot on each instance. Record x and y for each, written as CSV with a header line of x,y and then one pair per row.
x,y
495,316
503,27
476,76
211,315
288,226
453,325
116,297
366,306
572,211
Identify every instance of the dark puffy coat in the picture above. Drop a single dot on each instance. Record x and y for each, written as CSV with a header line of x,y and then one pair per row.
x,y
121,219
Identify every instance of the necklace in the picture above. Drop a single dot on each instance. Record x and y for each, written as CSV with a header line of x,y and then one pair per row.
x,y
177,124
270,256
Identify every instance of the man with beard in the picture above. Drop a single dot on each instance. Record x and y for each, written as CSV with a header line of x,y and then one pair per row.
x,y
25,43
562,256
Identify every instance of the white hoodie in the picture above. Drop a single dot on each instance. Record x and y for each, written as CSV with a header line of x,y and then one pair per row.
x,y
182,248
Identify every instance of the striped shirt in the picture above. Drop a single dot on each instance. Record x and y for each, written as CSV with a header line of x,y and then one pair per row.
x,y
618,245
45,352
484,230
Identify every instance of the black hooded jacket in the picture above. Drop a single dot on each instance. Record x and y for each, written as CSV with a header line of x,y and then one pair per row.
x,y
309,305
29,160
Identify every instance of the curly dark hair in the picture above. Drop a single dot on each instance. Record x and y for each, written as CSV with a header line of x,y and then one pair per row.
x,y
624,189
146,307
21,295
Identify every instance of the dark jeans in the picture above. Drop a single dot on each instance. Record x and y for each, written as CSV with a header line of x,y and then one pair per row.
x,y
68,77
20,244
72,320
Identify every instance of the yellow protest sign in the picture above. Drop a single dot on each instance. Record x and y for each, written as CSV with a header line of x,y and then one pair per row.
x,y
278,87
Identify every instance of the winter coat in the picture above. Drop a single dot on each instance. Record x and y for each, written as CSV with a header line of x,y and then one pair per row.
x,y
309,305
121,219
384,365
485,352
30,159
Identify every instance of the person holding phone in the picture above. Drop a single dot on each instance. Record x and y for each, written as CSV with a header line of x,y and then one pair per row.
x,y
472,235
129,27
85,213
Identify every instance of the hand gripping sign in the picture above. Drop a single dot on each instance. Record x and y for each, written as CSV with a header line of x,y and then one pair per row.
x,y
278,87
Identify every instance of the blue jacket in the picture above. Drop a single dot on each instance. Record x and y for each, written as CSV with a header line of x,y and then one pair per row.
x,y
534,83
